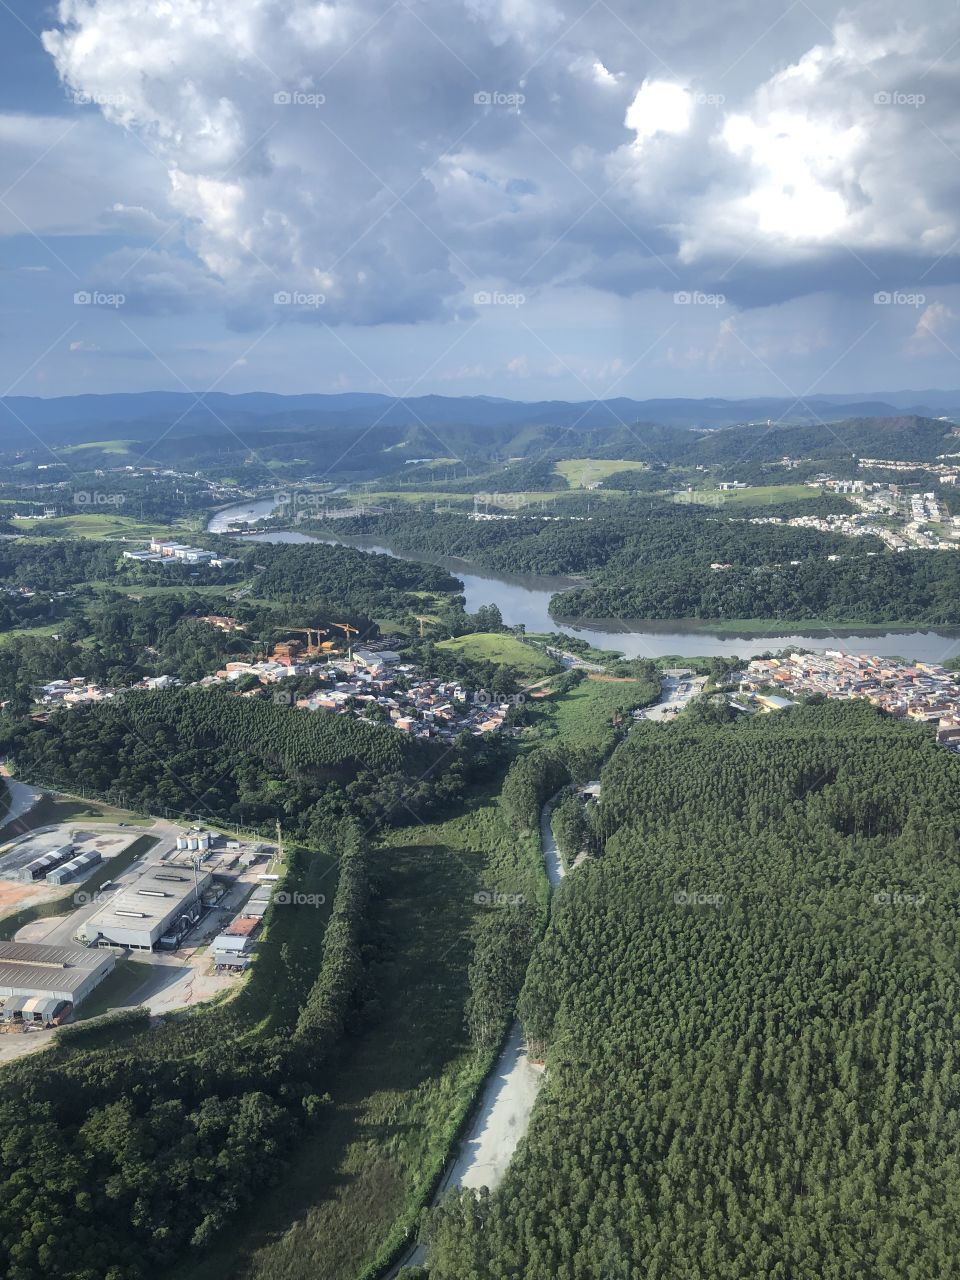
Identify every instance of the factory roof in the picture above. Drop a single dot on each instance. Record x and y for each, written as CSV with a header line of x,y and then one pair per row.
x,y
151,900
54,958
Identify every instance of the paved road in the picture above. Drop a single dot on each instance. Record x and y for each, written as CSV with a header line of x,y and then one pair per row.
x,y
510,1090
675,693
22,800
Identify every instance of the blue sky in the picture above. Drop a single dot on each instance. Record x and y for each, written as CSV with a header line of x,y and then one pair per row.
x,y
507,197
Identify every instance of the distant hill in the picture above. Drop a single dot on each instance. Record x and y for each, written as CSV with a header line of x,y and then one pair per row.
x,y
67,419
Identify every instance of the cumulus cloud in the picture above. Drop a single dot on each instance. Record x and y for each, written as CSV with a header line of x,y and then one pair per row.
x,y
388,158
932,328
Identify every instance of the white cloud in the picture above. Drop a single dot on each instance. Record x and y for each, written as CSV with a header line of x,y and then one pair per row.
x,y
929,336
376,179
659,107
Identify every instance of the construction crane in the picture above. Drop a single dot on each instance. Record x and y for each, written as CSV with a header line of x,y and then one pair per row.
x,y
346,628
313,645
422,618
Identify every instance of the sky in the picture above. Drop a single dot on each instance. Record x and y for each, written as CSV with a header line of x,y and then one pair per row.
x,y
520,198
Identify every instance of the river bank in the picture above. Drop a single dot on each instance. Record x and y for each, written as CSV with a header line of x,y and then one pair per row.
x,y
524,599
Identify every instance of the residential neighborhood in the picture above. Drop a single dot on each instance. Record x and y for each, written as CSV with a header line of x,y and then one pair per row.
x,y
920,691
374,685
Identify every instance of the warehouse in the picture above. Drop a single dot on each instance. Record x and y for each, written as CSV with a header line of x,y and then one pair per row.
x,y
31,970
38,868
75,867
159,907
47,1011
231,951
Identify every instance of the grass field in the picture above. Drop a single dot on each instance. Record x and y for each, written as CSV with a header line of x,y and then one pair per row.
x,y
757,628
754,495
511,501
127,977
48,629
101,446
404,1080
99,524
580,472
505,650
583,718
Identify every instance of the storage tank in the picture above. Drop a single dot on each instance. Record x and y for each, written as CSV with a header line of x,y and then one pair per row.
x,y
182,843
193,843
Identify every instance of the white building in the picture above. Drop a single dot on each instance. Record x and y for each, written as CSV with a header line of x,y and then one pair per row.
x,y
158,907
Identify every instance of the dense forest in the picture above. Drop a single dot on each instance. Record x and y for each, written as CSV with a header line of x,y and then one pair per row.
x,y
333,578
913,586
644,528
247,761
648,559
749,1004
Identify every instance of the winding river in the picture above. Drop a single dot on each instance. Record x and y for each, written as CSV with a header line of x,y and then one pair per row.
x,y
525,598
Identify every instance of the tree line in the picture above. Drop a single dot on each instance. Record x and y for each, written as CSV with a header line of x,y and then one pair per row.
x,y
749,1007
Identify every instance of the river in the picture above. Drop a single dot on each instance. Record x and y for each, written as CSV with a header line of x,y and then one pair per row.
x,y
525,598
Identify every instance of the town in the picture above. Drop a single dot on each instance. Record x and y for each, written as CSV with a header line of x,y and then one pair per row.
x,y
920,691
370,682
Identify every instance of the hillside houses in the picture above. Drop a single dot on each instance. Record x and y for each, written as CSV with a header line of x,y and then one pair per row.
x,y
920,691
376,685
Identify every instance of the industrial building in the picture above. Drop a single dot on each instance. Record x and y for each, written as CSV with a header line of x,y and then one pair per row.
x,y
38,867
231,951
158,908
75,867
195,841
45,1011
35,971
233,948
256,905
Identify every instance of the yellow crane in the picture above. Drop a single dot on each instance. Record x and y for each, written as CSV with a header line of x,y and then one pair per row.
x,y
315,644
346,628
422,618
